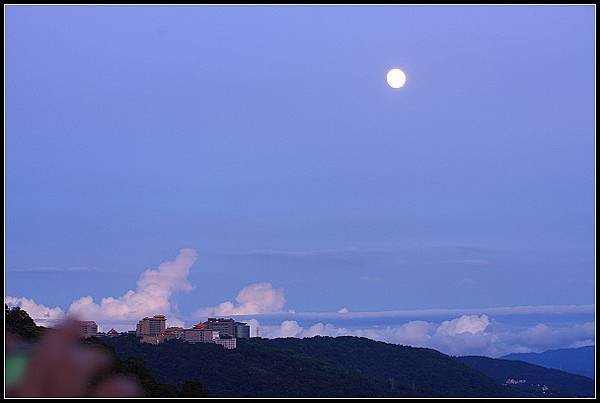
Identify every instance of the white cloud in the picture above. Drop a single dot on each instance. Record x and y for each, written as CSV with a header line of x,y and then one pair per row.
x,y
542,337
288,328
416,332
320,329
343,310
253,299
465,324
42,315
291,328
254,327
152,296
175,322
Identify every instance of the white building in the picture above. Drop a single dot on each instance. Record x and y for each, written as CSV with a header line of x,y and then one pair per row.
x,y
229,344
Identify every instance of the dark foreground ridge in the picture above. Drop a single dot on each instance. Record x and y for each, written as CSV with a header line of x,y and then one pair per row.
x,y
341,367
319,367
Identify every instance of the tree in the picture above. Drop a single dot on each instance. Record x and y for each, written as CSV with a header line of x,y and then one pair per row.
x,y
20,323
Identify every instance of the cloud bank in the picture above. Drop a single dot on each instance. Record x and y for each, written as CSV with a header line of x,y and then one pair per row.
x,y
464,335
470,331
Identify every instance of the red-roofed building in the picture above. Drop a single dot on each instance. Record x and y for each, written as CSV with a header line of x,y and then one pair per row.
x,y
175,332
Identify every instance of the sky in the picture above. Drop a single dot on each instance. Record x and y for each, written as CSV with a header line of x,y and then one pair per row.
x,y
261,152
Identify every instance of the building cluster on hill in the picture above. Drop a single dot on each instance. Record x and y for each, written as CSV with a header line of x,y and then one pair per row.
x,y
153,330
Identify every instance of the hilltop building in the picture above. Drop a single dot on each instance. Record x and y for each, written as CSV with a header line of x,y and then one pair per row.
x,y
223,332
87,329
228,327
223,326
228,344
241,330
200,335
175,332
153,326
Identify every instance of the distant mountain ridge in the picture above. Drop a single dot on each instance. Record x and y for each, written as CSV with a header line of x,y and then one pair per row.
x,y
578,361
532,379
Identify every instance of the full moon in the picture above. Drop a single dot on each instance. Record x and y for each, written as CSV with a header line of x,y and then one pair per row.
x,y
396,78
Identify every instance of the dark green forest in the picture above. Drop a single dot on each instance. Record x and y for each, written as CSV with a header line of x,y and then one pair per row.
x,y
317,367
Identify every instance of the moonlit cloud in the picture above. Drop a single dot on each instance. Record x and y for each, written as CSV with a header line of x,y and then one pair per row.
x,y
253,299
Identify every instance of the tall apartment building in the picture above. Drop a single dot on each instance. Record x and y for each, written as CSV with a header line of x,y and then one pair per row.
x,y
228,327
223,326
153,326
241,330
88,328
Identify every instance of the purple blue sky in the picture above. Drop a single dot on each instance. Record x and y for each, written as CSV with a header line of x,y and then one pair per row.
x,y
267,140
